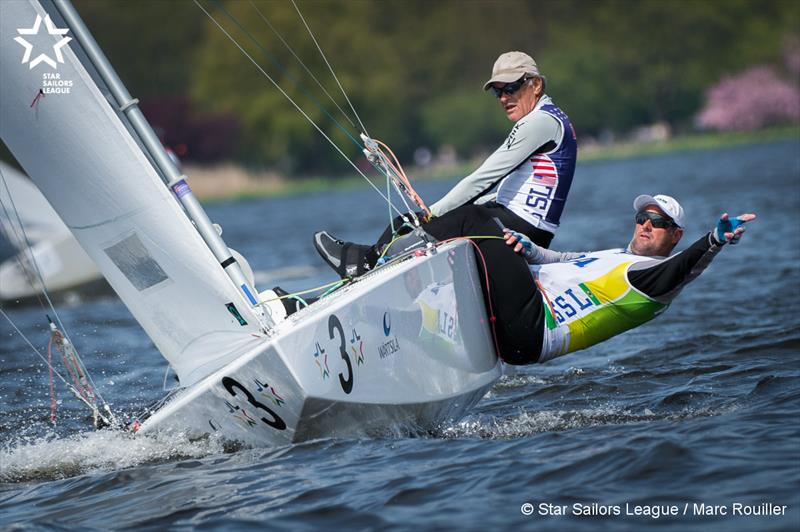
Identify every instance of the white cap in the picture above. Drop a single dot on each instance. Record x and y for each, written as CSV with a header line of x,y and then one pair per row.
x,y
668,204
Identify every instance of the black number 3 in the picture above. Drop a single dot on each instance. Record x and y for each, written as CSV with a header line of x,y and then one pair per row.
x,y
276,422
335,324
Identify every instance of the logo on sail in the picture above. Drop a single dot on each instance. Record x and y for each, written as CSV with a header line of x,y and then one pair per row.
x,y
42,57
51,81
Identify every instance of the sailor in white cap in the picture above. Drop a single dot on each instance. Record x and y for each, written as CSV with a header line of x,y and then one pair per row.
x,y
581,299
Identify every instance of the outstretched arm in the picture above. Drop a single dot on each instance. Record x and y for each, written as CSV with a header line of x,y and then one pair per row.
x,y
663,279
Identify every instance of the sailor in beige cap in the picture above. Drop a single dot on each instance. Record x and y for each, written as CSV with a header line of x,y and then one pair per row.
x,y
532,170
534,165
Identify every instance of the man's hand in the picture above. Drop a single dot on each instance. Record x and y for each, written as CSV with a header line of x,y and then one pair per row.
x,y
729,230
519,243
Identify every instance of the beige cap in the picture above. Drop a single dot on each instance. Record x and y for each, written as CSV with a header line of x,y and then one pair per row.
x,y
668,204
510,67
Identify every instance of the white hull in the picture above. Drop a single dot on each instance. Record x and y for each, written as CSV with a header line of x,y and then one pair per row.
x,y
411,361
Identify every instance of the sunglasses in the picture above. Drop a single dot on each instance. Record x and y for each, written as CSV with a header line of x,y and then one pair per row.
x,y
658,221
509,88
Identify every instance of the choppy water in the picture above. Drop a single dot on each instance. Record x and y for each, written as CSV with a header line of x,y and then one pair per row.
x,y
699,407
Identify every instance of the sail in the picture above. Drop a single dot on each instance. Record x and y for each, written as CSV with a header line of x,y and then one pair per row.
x,y
76,148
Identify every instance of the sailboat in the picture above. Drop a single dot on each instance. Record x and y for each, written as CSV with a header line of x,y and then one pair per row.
x,y
406,347
59,259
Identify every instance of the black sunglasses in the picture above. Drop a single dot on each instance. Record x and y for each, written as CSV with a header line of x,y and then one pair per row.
x,y
509,88
658,221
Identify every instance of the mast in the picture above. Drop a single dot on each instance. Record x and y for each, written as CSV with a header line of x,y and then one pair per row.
x,y
169,173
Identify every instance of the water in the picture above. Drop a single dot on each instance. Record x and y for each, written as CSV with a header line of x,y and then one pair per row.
x,y
699,407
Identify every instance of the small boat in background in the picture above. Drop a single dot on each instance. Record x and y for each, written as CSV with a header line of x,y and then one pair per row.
x,y
46,245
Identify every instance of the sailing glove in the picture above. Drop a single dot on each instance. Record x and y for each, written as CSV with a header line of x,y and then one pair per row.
x,y
727,224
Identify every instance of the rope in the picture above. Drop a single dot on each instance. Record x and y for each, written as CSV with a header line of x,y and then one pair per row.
x,y
299,109
55,371
308,71
335,284
29,248
53,403
398,168
392,169
19,241
492,317
544,295
364,129
287,73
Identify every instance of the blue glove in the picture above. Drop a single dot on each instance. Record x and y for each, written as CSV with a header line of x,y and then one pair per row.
x,y
527,245
730,225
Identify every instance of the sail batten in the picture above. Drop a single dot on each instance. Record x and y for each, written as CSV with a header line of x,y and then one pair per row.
x,y
91,169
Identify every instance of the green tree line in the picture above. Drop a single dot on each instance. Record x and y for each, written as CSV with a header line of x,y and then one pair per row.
x,y
414,69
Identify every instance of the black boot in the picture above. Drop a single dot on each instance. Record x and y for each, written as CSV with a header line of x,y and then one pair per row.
x,y
346,258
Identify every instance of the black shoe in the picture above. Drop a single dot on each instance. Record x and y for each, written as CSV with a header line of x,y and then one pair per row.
x,y
347,259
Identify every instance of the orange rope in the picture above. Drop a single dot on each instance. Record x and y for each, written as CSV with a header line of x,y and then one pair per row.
x,y
401,174
544,295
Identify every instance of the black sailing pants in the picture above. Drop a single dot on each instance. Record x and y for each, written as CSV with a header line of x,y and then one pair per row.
x,y
539,237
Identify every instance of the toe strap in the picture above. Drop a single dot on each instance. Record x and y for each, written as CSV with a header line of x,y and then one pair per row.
x,y
352,264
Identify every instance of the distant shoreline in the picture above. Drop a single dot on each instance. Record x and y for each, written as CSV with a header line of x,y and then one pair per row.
x,y
232,182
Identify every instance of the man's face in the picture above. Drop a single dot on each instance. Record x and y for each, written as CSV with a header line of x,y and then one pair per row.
x,y
653,241
522,101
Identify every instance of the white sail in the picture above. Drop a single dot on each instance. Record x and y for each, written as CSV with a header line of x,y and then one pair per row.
x,y
108,193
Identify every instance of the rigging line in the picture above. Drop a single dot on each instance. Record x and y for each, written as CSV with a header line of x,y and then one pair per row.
x,y
286,44
330,68
287,73
49,365
384,166
17,241
389,195
29,248
332,143
404,198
